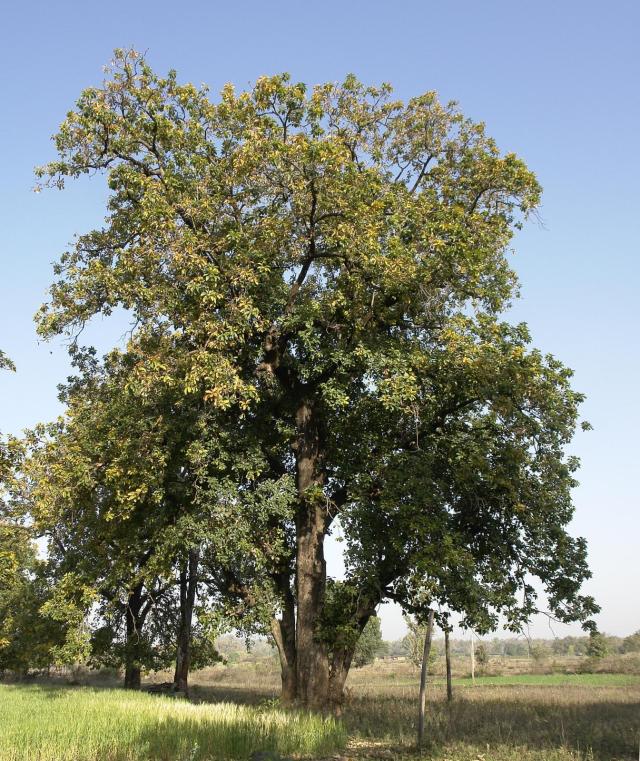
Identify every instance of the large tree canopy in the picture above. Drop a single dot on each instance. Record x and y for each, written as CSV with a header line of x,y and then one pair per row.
x,y
325,270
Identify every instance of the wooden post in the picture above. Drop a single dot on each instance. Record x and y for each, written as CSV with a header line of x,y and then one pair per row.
x,y
447,653
423,678
473,660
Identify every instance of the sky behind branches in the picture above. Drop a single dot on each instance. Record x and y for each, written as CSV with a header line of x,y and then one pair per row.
x,y
556,82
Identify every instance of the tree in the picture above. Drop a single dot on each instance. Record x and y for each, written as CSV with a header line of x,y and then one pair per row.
x,y
28,640
414,641
631,644
538,651
329,268
426,655
482,654
447,658
597,647
108,486
370,643
515,648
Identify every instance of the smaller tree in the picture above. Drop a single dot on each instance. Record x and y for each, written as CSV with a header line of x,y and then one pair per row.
x,y
539,651
597,647
28,640
414,642
482,654
514,648
370,643
631,644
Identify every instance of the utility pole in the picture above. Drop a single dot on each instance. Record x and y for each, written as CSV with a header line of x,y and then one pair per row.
x,y
423,677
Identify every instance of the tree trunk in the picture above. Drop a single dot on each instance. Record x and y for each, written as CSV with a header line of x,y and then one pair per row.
x,y
423,678
340,665
447,653
342,657
312,656
134,621
284,635
312,664
132,676
188,589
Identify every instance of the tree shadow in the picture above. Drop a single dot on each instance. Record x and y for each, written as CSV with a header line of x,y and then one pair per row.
x,y
232,693
595,722
225,735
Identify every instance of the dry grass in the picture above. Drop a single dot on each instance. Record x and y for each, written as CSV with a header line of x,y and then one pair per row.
x,y
535,717
595,717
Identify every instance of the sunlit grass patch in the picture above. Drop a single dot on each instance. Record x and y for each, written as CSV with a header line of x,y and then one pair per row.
x,y
81,724
554,680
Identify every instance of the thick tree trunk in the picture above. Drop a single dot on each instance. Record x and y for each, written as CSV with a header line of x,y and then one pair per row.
x,y
312,663
132,676
188,588
312,656
134,620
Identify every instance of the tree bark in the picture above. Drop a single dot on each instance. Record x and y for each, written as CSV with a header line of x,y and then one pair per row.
x,y
342,656
134,620
312,664
340,665
132,677
188,590
423,678
447,653
284,634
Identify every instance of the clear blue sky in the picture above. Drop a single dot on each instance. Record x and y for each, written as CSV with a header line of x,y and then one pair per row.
x,y
557,82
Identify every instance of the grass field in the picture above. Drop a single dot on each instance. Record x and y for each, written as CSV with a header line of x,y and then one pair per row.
x,y
542,680
84,724
519,717
528,717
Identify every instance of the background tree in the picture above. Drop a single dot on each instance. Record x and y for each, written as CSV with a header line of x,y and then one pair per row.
x,y
370,644
414,642
325,271
28,640
108,487
631,644
482,654
597,647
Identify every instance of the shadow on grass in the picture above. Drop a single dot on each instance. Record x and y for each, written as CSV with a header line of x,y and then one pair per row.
x,y
596,723
184,739
231,693
603,726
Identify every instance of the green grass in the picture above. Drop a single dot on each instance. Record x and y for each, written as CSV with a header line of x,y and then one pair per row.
x,y
554,680
83,724
530,717
537,680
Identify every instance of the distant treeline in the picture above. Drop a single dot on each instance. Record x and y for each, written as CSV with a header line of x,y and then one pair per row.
x,y
522,647
235,649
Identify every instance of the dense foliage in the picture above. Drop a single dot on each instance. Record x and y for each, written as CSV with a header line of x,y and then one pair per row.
x,y
316,280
